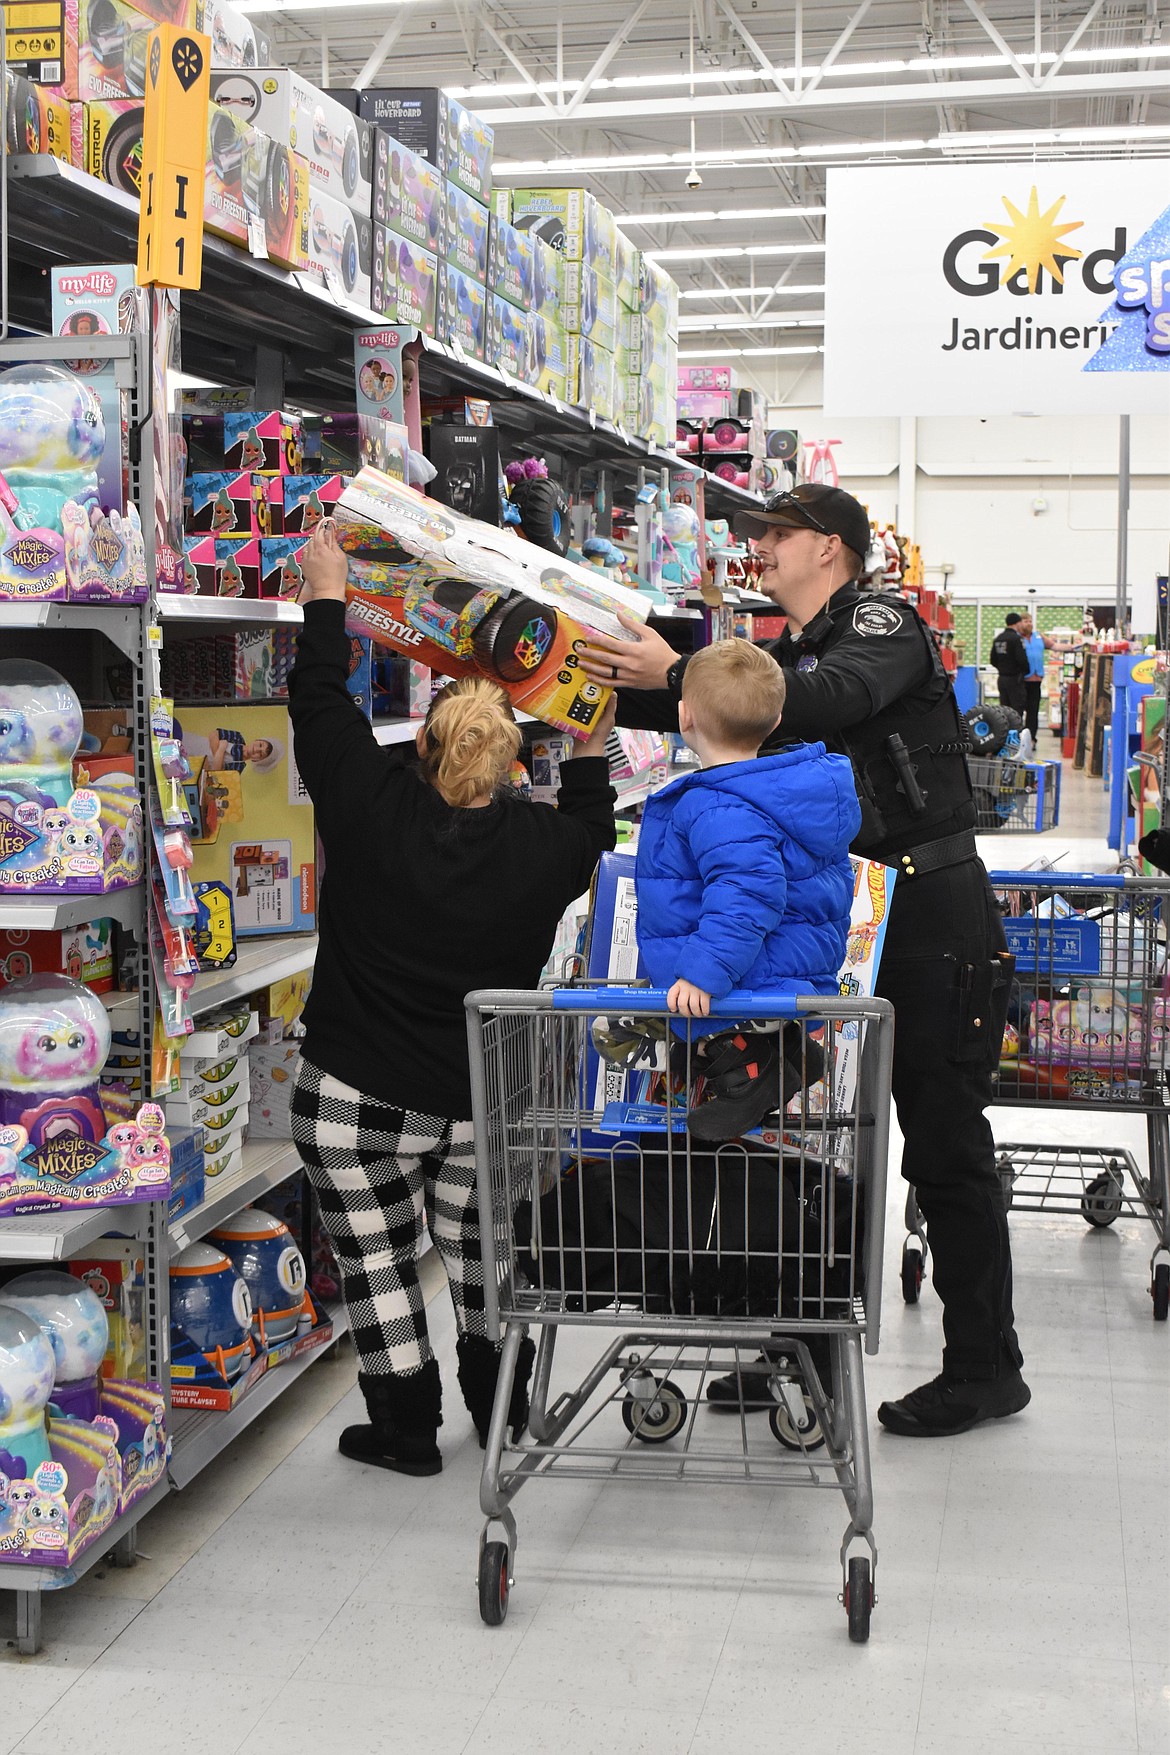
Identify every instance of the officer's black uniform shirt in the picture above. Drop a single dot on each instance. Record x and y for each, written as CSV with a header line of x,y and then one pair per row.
x,y
863,670
1009,655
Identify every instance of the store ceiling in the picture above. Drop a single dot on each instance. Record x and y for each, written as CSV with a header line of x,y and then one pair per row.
x,y
780,92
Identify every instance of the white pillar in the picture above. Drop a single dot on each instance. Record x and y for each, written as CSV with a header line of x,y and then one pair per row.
x,y
908,477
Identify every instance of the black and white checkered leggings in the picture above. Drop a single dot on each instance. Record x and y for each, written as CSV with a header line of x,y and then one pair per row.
x,y
376,1170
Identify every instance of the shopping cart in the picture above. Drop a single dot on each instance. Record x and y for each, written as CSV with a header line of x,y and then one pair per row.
x,y
610,1216
1088,1028
1014,795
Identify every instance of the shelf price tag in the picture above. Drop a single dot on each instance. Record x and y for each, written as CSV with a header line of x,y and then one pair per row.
x,y
335,286
257,237
174,141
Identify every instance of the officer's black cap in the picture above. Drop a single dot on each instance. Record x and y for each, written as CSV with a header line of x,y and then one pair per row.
x,y
811,506
1009,621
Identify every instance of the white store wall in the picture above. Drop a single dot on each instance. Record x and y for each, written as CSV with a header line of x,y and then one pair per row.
x,y
972,494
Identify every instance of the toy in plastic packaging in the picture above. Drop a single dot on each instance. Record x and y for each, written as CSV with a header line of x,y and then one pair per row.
x,y
263,1253
54,1039
26,1383
74,1323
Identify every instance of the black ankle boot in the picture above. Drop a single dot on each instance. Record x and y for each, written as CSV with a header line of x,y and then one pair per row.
x,y
479,1370
405,1415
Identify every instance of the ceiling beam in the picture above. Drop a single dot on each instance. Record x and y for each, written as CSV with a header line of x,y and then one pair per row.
x,y
381,50
604,59
753,48
547,108
1001,43
962,92
842,40
1051,72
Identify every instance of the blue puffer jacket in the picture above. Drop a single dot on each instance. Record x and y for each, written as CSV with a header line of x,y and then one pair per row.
x,y
743,876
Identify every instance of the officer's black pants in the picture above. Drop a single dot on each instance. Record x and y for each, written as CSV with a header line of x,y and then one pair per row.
x,y
938,923
1032,708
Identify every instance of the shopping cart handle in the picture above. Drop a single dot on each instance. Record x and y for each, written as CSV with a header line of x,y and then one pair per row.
x,y
784,1003
1056,880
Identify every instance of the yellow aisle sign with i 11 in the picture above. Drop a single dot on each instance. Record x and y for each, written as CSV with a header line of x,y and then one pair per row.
x,y
174,152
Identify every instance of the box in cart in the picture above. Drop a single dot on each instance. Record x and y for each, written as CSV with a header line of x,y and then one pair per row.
x,y
336,145
405,281
338,243
433,125
510,264
462,311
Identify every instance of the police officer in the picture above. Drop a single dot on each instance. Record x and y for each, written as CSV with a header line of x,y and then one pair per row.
x,y
864,676
1009,659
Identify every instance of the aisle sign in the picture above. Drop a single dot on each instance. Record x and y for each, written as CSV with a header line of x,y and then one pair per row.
x,y
34,39
1039,288
174,150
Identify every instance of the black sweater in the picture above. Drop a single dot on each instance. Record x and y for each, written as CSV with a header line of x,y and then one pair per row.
x,y
421,903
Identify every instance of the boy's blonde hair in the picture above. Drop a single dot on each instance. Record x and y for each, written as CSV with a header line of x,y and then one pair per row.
x,y
735,692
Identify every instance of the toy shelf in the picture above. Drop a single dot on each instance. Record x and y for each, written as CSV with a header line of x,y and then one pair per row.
x,y
175,606
258,963
200,1435
43,1578
266,1163
48,913
57,1236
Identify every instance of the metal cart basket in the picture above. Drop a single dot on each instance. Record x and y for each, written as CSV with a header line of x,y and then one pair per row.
x,y
1089,1029
600,1210
1014,795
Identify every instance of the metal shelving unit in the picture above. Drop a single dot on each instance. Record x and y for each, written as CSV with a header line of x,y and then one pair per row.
x,y
176,606
48,913
266,1163
258,963
200,1435
57,1236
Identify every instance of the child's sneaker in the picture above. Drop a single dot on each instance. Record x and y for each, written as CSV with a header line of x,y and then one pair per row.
x,y
740,1069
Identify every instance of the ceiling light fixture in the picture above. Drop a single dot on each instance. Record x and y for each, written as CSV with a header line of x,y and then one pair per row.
x,y
709,325
707,252
275,7
782,289
703,215
738,353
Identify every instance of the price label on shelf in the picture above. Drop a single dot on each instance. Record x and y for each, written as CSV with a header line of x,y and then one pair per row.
x,y
593,419
257,237
334,284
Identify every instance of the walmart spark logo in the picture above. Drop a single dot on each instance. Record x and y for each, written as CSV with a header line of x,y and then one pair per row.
x,y
1033,240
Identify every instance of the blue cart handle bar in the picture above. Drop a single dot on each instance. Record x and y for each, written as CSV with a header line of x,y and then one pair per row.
x,y
1056,880
638,1000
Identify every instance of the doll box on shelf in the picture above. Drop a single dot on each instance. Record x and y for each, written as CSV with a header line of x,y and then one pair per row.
x,y
50,1517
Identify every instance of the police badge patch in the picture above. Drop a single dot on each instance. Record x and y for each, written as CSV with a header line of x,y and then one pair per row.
x,y
876,618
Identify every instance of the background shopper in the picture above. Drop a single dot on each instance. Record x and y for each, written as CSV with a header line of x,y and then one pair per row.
x,y
864,676
439,879
1035,645
1010,661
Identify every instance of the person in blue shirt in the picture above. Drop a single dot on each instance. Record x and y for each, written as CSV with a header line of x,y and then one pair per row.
x,y
1034,645
743,877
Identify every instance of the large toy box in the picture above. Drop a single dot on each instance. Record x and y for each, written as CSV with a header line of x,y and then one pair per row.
x,y
508,337
84,953
107,42
572,221
510,264
548,356
338,243
430,123
657,296
592,379
464,234
462,316
405,281
257,837
589,304
335,144
409,192
42,119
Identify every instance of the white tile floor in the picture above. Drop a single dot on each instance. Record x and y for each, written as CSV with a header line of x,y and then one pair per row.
x,y
291,1599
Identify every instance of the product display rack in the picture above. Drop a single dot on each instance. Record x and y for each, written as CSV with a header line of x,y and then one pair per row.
x,y
56,1236
247,306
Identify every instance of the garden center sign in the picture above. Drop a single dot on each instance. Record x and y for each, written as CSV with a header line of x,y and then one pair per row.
x,y
1031,288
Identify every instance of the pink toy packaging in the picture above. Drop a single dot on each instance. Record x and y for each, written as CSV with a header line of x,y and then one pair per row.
x,y
199,565
280,568
308,499
237,566
51,1514
220,504
67,1171
266,440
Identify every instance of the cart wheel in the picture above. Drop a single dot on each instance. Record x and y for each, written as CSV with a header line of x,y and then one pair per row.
x,y
494,1583
859,1599
1160,1292
913,1273
1101,1201
811,1435
654,1422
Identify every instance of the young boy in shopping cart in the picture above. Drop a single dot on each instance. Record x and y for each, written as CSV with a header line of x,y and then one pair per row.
x,y
743,877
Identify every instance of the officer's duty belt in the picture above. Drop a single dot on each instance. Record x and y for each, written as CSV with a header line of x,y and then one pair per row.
x,y
936,855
